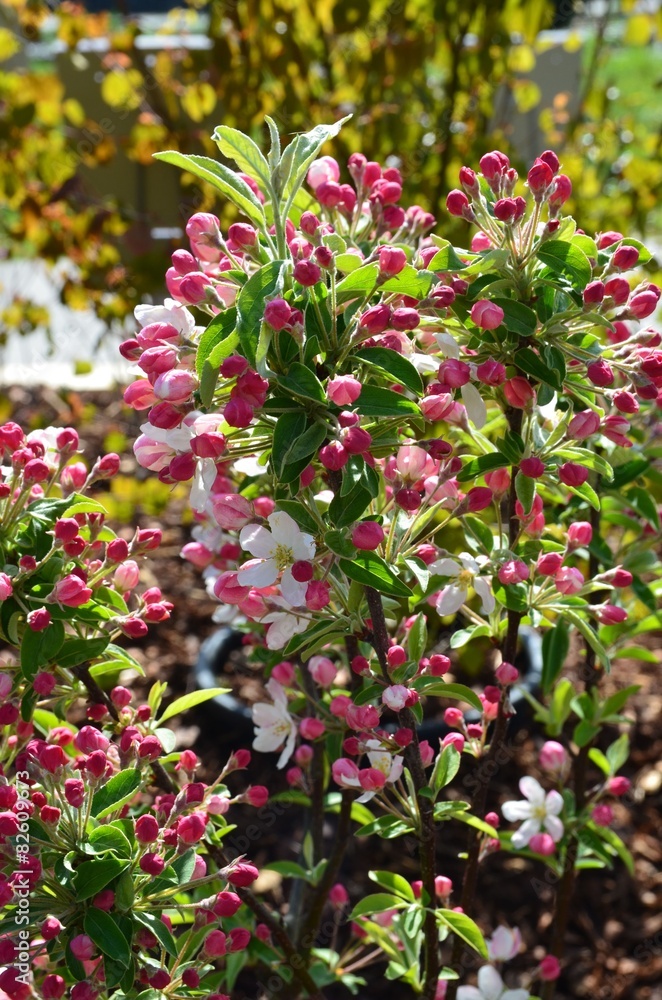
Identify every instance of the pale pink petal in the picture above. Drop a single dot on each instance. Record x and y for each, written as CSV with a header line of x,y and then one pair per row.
x,y
532,790
257,540
474,405
554,828
258,573
451,600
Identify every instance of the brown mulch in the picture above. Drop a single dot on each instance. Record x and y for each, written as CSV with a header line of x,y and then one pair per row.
x,y
614,949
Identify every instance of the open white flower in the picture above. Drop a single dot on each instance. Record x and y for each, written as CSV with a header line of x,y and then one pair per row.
x,y
490,987
275,727
382,761
284,624
275,553
537,809
504,944
465,569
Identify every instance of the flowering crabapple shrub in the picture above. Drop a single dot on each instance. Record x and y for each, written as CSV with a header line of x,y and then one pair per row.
x,y
104,880
348,394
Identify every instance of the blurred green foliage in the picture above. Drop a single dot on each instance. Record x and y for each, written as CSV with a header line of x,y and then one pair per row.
x,y
86,99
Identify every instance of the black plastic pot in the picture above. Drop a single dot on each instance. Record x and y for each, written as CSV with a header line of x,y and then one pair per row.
x,y
234,719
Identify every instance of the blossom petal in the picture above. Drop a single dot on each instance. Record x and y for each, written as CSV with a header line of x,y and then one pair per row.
x,y
288,749
469,993
514,811
474,405
554,828
554,803
490,982
451,600
258,573
284,528
293,592
484,591
527,830
445,567
257,540
532,790
515,995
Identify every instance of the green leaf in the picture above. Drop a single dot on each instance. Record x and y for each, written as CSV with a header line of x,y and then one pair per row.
x,y
246,154
301,381
93,876
287,434
299,513
337,542
370,569
610,837
76,651
358,284
644,504
465,928
376,903
84,506
386,827
289,869
447,258
479,466
586,492
589,635
107,936
189,701
251,301
480,530
528,361
39,648
433,687
627,471
525,488
410,282
446,767
305,148
344,510
518,318
219,332
619,751
118,790
555,649
394,365
600,760
158,929
376,401
221,178
109,838
567,258
512,446
418,637
396,883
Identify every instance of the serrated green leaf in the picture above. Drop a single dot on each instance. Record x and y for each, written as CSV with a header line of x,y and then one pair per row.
x,y
246,154
567,258
221,178
370,569
115,793
251,302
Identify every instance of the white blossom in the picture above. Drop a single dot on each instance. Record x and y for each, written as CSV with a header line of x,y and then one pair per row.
x,y
465,570
275,727
275,553
537,809
490,987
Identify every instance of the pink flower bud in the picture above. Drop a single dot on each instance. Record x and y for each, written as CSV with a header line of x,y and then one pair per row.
x,y
257,796
542,843
549,563
371,779
583,425
621,577
550,968
487,315
343,390
50,928
226,904
643,304
139,395
311,729
454,373
539,178
318,595
532,467
190,829
215,944
491,372
513,571
572,474
553,757
443,886
338,896
396,656
53,987
580,533
454,717
626,402
391,260
71,592
506,673
625,258
231,511
147,829
594,293
395,697
74,792
127,576
618,290
322,669
611,614
322,170
6,588
603,814
600,373
568,580
65,529
243,874
333,456
152,864
456,740
307,273
375,319
73,476
367,535
619,785
405,318
439,665
458,204
519,393
175,386
82,947
479,498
